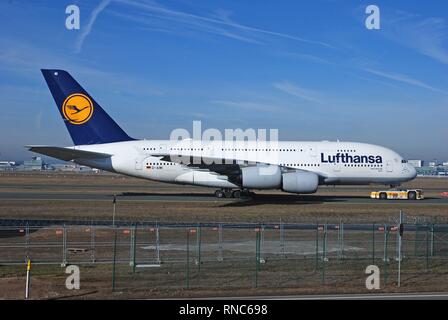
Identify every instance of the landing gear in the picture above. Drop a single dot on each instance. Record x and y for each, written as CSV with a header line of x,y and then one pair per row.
x,y
236,194
219,194
224,193
229,193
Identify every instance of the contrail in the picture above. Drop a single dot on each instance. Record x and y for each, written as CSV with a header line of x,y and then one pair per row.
x,y
88,28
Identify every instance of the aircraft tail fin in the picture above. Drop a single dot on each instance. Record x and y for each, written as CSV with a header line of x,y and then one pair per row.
x,y
86,121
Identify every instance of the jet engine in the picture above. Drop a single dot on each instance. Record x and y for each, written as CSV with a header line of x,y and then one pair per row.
x,y
300,182
261,177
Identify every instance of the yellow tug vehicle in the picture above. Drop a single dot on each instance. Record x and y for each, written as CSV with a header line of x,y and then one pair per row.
x,y
400,194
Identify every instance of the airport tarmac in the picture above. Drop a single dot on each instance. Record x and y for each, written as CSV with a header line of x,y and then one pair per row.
x,y
206,197
59,195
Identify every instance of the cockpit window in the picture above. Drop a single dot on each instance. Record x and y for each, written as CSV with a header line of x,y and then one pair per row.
x,y
404,161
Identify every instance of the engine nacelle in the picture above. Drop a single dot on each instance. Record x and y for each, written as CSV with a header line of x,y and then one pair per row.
x,y
261,177
300,182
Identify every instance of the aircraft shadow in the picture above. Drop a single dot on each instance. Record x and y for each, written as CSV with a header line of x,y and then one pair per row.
x,y
256,199
166,194
286,199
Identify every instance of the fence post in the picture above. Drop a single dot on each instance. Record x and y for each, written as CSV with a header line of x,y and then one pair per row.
x,y
316,266
324,253
427,247
220,257
339,240
134,247
131,248
385,258
64,246
27,241
92,243
157,243
416,239
342,239
400,257
187,271
114,259
386,236
261,247
324,249
198,241
257,256
397,246
282,238
432,240
373,243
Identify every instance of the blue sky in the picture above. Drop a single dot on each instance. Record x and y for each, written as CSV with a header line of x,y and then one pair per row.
x,y
308,68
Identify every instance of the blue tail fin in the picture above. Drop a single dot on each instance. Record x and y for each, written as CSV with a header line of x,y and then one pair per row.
x,y
86,121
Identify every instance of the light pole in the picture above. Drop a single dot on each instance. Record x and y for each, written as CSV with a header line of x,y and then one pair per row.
x,y
400,233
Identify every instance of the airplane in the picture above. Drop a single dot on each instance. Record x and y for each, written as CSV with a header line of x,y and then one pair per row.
x,y
235,168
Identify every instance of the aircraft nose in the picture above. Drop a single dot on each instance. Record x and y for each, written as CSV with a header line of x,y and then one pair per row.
x,y
412,172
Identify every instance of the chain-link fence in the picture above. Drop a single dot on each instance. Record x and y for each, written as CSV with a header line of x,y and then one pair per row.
x,y
162,256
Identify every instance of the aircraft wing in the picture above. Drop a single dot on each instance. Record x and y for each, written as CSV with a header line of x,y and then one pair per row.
x,y
204,162
227,167
67,154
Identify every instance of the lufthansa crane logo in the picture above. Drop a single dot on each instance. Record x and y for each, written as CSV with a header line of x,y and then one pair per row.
x,y
77,108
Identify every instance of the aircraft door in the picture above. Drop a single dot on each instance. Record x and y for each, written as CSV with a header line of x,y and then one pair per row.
x,y
336,167
138,163
312,151
162,148
389,166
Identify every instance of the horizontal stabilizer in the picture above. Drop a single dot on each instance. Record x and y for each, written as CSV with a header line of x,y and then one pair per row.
x,y
67,154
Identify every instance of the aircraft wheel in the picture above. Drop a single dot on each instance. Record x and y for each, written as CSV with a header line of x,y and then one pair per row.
x,y
412,195
236,194
383,196
228,193
219,194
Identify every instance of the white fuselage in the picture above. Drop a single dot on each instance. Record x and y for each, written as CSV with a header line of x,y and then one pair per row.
x,y
334,162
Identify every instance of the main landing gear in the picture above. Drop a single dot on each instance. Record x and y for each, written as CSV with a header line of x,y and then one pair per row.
x,y
229,193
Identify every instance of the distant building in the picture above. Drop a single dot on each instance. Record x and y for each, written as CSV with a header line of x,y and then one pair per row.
x,y
85,169
426,171
7,165
432,164
69,167
35,164
63,167
445,164
416,163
